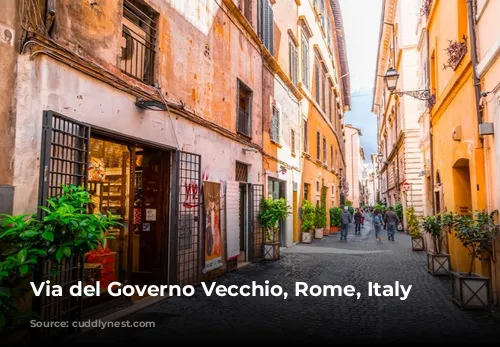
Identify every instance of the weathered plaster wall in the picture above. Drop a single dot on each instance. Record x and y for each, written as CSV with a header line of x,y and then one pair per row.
x,y
56,87
9,46
201,47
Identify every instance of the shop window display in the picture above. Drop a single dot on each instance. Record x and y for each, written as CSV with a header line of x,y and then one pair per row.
x,y
109,186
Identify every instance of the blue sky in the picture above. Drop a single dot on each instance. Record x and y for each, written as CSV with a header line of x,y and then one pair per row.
x,y
361,26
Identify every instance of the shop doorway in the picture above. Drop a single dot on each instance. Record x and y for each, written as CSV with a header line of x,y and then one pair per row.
x,y
243,223
148,242
277,190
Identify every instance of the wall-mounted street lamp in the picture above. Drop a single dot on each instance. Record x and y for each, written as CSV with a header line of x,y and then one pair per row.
x,y
152,105
391,81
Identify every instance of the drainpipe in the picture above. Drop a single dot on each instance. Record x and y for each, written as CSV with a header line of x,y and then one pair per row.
x,y
431,140
473,45
352,165
397,149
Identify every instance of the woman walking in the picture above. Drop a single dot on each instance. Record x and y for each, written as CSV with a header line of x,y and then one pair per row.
x,y
357,221
377,224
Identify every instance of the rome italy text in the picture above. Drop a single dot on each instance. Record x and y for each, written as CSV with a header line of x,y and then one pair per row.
x,y
262,170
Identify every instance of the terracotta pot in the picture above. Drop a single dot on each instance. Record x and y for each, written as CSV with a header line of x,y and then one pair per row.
x,y
334,230
326,232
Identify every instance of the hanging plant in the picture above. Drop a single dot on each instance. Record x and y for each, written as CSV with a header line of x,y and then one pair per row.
x,y
456,51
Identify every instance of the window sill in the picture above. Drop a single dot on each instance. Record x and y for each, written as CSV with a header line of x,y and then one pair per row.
x,y
246,136
294,154
276,143
306,155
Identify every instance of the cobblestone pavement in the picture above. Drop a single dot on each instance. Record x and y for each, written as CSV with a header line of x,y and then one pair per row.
x,y
428,315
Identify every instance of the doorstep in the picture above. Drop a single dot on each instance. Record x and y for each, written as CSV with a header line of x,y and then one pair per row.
x,y
242,264
136,306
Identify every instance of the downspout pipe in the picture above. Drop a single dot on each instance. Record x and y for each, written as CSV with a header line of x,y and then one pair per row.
x,y
431,140
473,47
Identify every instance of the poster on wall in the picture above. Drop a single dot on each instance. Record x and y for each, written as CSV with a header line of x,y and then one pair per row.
x,y
233,219
213,234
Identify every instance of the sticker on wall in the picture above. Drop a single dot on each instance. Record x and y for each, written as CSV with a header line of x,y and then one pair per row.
x,y
151,214
146,226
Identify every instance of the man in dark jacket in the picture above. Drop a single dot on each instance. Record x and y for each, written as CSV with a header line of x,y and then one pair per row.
x,y
391,220
345,220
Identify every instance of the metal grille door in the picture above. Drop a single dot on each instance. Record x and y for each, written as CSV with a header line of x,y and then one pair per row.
x,y
256,231
64,155
63,161
188,218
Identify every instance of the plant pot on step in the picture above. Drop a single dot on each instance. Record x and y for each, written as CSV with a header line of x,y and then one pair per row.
x,y
307,237
417,243
334,230
438,264
471,292
271,251
318,233
326,232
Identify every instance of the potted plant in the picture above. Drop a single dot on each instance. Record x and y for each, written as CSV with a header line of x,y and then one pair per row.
x,y
335,213
308,221
320,222
398,208
271,213
417,241
64,231
326,229
438,262
476,233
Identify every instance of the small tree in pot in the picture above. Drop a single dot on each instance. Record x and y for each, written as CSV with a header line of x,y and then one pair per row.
x,y
272,212
438,262
476,233
320,221
308,221
417,241
335,213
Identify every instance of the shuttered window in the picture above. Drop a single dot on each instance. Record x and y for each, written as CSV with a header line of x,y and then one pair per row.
x,y
292,141
323,90
265,25
318,146
305,61
317,84
323,14
292,61
306,137
275,130
330,106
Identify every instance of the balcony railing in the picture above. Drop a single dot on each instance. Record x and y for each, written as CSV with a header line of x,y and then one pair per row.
x,y
243,122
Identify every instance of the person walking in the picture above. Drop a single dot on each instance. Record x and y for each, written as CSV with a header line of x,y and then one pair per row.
x,y
377,224
345,220
391,220
357,221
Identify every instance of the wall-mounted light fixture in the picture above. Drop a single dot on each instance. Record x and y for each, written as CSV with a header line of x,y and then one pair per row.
x,y
152,105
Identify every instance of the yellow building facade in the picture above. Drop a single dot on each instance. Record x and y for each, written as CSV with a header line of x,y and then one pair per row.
x,y
458,150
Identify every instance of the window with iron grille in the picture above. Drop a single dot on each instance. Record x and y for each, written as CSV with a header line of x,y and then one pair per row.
x,y
318,146
241,172
138,44
275,126
306,137
305,61
292,61
324,150
317,85
244,110
292,141
246,8
265,24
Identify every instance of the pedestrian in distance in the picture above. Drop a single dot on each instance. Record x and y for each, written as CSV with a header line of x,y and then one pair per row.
x,y
345,220
391,220
357,221
378,221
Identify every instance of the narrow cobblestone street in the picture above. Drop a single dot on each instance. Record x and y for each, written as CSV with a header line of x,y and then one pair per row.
x,y
427,315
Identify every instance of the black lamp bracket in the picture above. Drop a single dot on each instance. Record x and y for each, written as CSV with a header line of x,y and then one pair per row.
x,y
423,94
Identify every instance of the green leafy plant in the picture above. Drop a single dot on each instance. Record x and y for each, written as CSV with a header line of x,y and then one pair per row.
x,y
271,213
413,223
432,226
398,208
476,233
64,229
320,217
447,221
382,208
335,213
308,216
